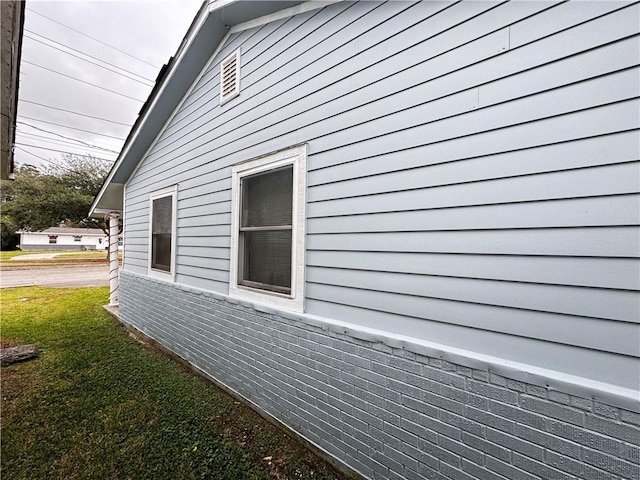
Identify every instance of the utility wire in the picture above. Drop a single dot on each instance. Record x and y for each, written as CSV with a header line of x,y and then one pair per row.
x,y
90,56
42,158
19,130
64,145
27,136
65,126
92,38
64,151
58,134
75,113
81,81
66,142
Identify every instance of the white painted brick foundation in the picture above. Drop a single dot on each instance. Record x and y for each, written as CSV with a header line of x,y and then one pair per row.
x,y
386,412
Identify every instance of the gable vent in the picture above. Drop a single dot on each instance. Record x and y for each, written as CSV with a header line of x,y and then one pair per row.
x,y
230,77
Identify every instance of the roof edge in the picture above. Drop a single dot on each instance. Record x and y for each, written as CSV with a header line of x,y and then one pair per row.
x,y
222,11
163,75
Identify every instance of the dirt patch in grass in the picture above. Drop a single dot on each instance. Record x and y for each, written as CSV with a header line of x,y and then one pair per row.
x,y
8,343
282,456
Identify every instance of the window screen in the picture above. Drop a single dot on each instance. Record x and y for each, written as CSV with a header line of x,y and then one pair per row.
x,y
161,233
265,230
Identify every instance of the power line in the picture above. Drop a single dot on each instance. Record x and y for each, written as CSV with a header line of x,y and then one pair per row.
x,y
82,81
92,38
90,56
49,145
65,126
42,158
86,54
75,113
53,133
49,140
64,151
89,61
66,142
58,134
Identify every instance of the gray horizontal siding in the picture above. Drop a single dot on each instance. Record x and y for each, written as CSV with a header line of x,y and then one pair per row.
x,y
472,160
575,212
472,173
577,301
584,242
605,273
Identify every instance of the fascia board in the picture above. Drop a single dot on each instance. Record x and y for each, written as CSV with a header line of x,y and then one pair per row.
x,y
282,14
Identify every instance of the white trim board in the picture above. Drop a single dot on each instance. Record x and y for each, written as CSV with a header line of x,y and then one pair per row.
x,y
171,191
287,12
297,157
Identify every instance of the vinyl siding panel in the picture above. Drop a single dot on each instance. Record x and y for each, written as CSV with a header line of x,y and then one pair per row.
x,y
603,273
472,174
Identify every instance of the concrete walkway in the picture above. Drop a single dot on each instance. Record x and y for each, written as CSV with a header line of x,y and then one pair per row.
x,y
35,256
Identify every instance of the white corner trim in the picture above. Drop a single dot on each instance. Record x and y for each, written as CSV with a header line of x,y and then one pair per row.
x,y
287,12
296,156
123,218
171,191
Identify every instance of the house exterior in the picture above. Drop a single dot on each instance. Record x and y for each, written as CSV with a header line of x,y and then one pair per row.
x,y
406,231
62,238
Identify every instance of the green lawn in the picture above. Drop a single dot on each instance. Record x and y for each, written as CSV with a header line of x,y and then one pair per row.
x,y
99,254
98,405
7,259
6,255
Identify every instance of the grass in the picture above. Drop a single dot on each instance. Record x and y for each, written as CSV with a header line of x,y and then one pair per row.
x,y
7,255
97,404
86,254
100,254
63,258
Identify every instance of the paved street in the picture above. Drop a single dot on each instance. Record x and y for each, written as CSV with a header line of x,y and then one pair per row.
x,y
56,276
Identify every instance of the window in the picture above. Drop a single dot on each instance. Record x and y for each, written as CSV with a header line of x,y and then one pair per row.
x,y
268,219
77,238
162,233
53,239
230,77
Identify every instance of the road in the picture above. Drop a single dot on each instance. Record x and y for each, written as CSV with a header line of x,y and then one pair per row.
x,y
56,276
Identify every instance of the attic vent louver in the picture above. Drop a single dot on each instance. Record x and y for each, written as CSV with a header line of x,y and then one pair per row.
x,y
230,77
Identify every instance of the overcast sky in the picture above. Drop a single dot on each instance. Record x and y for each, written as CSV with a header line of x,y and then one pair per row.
x,y
150,31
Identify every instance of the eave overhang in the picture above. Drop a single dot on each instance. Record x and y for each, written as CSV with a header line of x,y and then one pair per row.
x,y
207,31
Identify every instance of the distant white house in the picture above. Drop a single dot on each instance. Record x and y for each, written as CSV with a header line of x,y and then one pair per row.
x,y
62,238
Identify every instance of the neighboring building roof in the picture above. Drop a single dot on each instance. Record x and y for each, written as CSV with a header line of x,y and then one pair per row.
x,y
69,231
12,20
207,31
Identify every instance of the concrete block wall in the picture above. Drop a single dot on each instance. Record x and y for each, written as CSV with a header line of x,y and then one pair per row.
x,y
385,412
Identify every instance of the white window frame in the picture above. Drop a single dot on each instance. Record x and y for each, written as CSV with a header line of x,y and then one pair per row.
x,y
297,157
225,98
172,192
